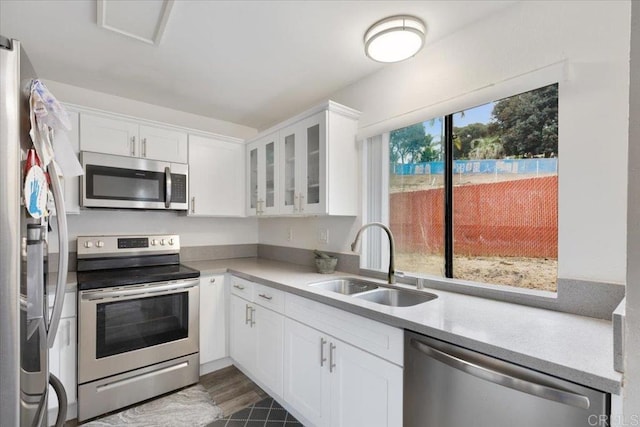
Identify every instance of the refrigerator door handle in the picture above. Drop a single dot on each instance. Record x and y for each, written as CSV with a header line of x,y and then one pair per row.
x,y
63,258
502,378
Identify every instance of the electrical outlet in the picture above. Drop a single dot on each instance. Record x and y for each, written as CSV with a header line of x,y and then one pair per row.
x,y
289,234
323,236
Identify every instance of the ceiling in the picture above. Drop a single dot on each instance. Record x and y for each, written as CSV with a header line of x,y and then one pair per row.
x,y
249,62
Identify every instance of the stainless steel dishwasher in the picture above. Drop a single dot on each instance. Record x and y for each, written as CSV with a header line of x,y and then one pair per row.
x,y
448,386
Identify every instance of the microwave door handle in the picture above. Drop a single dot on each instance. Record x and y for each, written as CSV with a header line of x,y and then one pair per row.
x,y
63,258
167,187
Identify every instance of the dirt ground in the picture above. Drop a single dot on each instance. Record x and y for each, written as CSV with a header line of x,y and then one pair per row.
x,y
530,273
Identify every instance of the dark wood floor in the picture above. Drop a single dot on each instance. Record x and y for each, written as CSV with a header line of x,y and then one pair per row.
x,y
229,388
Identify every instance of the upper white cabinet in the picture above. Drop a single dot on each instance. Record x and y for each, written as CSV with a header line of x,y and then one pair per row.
x,y
317,164
262,175
111,135
216,177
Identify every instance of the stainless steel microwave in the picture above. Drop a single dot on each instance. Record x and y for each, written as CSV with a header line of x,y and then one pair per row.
x,y
133,183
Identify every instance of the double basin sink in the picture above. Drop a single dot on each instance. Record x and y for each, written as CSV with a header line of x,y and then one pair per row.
x,y
375,292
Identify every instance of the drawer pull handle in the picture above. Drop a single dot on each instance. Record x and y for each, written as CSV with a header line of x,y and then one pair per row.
x,y
239,287
332,365
267,297
322,358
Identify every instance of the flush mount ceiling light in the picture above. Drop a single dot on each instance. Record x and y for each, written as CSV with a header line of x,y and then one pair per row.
x,y
395,38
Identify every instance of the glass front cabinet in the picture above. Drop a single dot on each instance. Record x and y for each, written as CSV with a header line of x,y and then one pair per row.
x,y
308,165
262,167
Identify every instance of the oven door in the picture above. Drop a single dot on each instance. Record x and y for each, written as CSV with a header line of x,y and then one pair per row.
x,y
127,182
121,329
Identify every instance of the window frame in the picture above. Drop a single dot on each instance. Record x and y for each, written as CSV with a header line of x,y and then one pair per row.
x,y
578,296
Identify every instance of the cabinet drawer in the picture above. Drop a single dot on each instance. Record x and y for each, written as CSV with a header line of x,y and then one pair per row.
x,y
242,288
268,297
377,338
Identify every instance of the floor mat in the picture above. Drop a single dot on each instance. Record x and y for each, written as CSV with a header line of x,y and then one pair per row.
x,y
188,407
266,413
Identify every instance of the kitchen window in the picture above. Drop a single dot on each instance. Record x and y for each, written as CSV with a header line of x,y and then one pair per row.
x,y
473,195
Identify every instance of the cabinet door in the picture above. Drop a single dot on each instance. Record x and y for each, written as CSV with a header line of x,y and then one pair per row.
x,y
269,327
289,172
216,177
163,144
270,177
213,324
262,176
107,135
313,161
62,362
306,375
243,348
365,390
253,191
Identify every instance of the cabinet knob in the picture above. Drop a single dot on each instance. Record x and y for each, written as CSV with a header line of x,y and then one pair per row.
x,y
100,244
213,280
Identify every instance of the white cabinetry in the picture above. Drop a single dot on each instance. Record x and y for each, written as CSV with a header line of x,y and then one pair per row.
x,y
113,135
332,383
62,358
306,384
213,319
330,367
216,177
257,332
316,156
262,175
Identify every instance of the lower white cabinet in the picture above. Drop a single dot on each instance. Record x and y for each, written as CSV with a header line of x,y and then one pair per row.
x,y
303,357
213,318
332,383
242,340
62,358
306,379
269,342
257,336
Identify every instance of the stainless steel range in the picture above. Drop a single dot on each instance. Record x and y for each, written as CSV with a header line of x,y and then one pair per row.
x,y
137,321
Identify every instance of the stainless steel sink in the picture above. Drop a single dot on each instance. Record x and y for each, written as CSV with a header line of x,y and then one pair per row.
x,y
374,292
345,286
396,297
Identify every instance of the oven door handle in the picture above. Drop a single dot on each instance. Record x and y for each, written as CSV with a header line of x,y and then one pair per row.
x,y
151,290
167,187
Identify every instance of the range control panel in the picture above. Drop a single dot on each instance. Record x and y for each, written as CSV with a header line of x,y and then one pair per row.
x,y
95,246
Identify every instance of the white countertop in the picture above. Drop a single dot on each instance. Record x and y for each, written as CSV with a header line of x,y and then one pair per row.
x,y
572,347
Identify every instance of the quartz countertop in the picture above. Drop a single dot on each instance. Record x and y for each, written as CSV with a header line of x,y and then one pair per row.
x,y
572,347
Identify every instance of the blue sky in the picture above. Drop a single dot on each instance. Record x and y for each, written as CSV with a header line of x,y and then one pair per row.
x,y
480,114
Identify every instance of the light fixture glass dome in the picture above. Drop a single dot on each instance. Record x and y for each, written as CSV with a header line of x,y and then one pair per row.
x,y
395,38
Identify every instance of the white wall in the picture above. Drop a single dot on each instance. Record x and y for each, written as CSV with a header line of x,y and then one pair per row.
x,y
305,232
193,231
591,39
116,104
632,351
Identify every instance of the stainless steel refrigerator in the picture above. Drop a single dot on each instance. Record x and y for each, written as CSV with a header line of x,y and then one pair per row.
x,y
27,328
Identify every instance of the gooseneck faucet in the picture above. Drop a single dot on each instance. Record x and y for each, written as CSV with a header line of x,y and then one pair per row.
x,y
391,276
